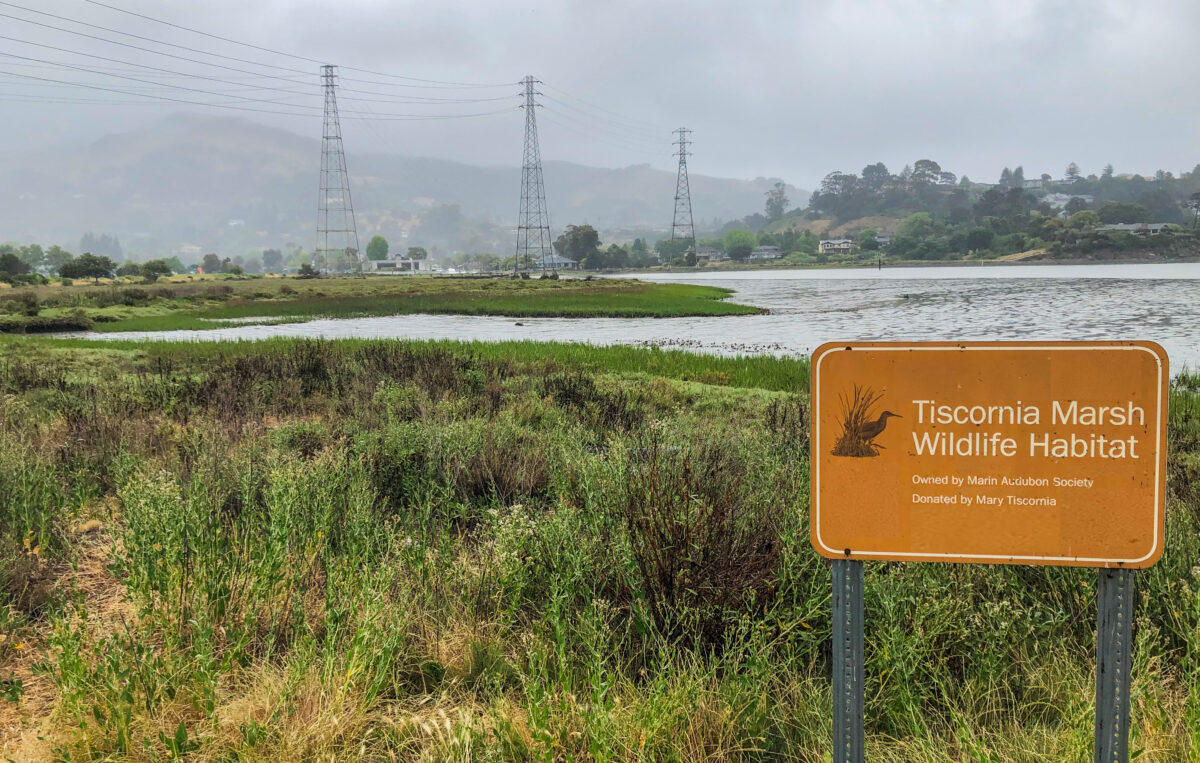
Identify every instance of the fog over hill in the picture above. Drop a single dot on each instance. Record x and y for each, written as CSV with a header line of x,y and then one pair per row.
x,y
229,184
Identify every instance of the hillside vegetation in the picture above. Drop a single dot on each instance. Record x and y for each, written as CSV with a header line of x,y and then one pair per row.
x,y
299,550
931,214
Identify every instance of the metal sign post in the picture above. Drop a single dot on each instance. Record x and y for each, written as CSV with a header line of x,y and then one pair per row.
x,y
847,661
1114,631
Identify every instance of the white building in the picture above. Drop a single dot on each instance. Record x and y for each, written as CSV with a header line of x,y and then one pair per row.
x,y
836,246
766,253
554,262
399,265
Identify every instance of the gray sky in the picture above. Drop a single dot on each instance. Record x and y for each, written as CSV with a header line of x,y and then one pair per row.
x,y
790,89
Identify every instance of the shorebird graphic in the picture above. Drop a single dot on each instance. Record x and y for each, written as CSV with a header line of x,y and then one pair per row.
x,y
858,430
873,429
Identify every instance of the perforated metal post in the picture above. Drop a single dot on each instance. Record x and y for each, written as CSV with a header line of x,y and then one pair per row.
x,y
847,661
1114,631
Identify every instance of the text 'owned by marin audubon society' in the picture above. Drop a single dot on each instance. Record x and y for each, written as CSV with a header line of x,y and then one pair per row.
x,y
1045,443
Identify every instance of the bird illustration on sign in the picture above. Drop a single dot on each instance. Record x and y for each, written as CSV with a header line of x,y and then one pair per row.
x,y
860,426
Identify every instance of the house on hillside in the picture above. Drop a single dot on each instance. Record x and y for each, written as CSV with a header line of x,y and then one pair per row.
x,y
398,265
1137,229
836,246
710,254
763,253
554,262
1059,200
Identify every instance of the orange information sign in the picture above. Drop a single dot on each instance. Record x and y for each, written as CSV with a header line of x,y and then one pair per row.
x,y
1049,453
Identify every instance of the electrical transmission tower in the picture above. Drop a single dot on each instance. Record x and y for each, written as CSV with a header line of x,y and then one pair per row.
x,y
533,226
681,223
337,234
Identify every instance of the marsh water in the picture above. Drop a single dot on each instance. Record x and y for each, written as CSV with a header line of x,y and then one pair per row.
x,y
807,307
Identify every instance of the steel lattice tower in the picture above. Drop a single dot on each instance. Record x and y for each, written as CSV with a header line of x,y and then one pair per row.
x,y
681,222
533,226
337,234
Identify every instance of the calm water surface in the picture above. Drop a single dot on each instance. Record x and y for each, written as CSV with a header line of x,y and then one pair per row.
x,y
808,307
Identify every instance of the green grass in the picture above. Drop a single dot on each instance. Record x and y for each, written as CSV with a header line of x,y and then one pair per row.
x,y
781,374
435,551
204,304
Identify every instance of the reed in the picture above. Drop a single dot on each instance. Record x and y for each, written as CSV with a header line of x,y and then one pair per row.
x,y
858,409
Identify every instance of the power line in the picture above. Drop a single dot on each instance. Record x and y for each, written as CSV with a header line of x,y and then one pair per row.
x,y
413,100
142,66
382,118
146,39
629,148
151,50
630,120
615,125
638,142
137,79
289,55
156,97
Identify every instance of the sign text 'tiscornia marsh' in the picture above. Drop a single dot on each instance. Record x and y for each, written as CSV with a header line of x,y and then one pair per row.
x,y
998,452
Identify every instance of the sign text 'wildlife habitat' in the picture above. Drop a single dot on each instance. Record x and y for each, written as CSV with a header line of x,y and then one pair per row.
x,y
1020,452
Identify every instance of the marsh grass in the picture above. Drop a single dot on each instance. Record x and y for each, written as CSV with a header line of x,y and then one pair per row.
x,y
207,304
440,551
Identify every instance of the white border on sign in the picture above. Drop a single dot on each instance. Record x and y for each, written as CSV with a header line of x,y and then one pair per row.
x,y
816,464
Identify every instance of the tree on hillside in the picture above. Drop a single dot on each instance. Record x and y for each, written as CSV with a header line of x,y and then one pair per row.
x,y
582,244
56,257
211,263
32,255
739,244
926,172
1193,203
1006,178
417,253
1075,204
1120,212
272,260
10,263
876,176
1084,220
1073,172
670,248
153,270
88,265
129,268
377,248
777,202
979,239
1018,177
1108,172
615,257
868,240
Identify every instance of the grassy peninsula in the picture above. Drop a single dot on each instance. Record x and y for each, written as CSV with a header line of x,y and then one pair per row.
x,y
204,303
299,550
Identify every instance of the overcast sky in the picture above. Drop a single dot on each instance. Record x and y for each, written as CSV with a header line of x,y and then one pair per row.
x,y
789,89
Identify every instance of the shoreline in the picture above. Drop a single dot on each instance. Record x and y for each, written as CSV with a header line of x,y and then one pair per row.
x,y
895,264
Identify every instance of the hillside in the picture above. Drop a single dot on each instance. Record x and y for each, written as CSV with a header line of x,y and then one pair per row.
x,y
226,184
